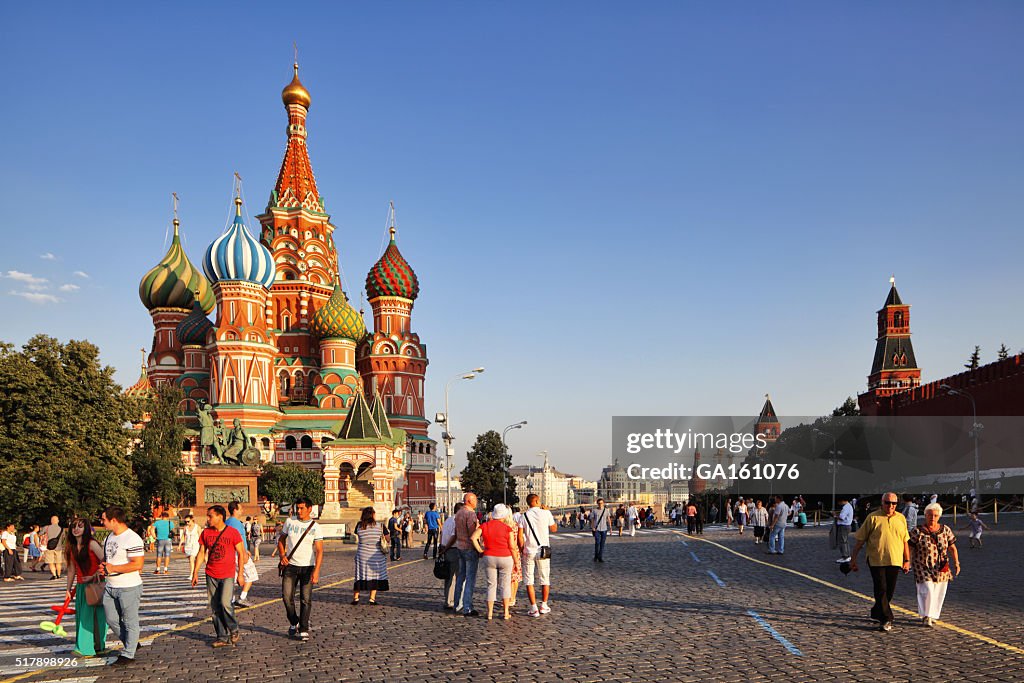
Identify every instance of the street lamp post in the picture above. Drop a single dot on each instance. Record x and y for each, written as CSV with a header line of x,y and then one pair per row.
x,y
448,437
833,465
504,484
976,428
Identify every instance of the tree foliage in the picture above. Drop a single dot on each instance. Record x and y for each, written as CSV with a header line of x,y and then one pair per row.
x,y
285,483
156,457
848,409
1004,352
63,443
488,466
975,360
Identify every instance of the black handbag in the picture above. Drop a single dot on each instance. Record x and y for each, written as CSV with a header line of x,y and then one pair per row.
x,y
545,550
442,570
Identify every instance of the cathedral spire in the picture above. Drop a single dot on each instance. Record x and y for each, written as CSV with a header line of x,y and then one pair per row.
x,y
296,186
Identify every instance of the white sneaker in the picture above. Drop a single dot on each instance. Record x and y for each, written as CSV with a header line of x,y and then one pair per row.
x,y
534,612
544,609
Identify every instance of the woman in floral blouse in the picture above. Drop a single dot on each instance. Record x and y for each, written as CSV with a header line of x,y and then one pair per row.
x,y
935,560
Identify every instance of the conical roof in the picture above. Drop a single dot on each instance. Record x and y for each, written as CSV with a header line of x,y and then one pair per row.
x,y
174,281
392,275
359,423
142,387
380,417
336,319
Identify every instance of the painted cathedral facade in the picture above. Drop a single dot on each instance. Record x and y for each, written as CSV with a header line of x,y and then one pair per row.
x,y
286,352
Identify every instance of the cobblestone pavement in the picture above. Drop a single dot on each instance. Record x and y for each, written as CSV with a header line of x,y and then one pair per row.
x,y
662,607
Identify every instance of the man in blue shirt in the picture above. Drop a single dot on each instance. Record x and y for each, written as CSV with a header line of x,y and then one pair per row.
x,y
164,545
433,521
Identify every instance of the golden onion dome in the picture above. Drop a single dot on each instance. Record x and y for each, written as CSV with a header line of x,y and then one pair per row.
x,y
295,92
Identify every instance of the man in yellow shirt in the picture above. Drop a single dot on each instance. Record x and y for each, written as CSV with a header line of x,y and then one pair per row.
x,y
884,532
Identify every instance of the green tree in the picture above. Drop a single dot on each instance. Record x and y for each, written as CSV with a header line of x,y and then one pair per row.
x,y
156,457
63,443
487,468
1004,352
285,483
975,360
848,409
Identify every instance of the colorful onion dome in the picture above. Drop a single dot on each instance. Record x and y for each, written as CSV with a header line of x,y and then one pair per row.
x,y
337,319
237,255
172,282
142,387
295,92
392,275
193,329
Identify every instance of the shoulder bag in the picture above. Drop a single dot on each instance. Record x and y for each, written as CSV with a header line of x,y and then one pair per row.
x,y
384,542
54,542
96,587
442,570
281,566
545,550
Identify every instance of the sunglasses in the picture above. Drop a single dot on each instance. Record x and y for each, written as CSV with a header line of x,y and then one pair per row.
x,y
890,502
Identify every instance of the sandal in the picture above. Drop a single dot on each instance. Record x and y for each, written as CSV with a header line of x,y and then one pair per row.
x,y
355,602
372,602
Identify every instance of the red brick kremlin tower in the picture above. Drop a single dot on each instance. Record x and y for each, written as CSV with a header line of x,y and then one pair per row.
x,y
288,354
894,368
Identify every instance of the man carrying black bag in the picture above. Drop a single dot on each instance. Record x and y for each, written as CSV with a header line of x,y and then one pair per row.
x,y
301,549
537,523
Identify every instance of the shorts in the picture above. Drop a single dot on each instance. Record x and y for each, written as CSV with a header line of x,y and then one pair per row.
x,y
543,569
191,550
249,570
54,558
164,548
975,535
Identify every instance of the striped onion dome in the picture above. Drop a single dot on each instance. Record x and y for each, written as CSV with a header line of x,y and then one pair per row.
x,y
142,387
237,255
392,275
175,282
337,319
193,329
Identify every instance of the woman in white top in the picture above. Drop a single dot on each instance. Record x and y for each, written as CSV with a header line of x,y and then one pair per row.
x,y
741,514
190,542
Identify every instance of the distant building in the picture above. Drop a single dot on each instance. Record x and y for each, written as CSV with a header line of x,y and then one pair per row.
x,y
551,485
615,486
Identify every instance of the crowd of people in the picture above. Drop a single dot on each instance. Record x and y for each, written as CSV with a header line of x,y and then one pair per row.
x,y
509,547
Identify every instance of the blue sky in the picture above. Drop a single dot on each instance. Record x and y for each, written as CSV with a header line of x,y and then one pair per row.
x,y
665,208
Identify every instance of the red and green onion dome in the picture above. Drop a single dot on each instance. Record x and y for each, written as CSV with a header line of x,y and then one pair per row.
x,y
193,329
142,387
172,282
392,275
336,319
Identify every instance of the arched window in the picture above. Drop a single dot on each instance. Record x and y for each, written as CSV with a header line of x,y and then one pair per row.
x,y
285,382
307,441
289,443
266,443
186,445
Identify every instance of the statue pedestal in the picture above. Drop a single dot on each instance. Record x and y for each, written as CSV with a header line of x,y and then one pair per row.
x,y
221,484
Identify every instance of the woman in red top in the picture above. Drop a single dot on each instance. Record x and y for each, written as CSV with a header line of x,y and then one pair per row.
x,y
498,540
83,557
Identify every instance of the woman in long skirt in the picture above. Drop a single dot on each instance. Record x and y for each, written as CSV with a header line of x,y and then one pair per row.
x,y
936,562
371,560
84,555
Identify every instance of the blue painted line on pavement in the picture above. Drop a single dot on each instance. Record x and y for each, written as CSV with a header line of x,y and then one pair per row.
x,y
793,649
717,580
694,556
684,543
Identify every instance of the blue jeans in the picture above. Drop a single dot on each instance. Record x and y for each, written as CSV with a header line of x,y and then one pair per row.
x,y
122,609
220,591
466,579
599,539
777,532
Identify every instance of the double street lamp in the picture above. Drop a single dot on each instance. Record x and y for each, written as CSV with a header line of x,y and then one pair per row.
x,y
447,436
975,432
504,484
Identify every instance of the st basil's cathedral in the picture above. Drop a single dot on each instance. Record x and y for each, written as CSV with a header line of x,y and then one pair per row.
x,y
287,354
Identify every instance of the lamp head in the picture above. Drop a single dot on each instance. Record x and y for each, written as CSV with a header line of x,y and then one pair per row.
x,y
478,370
469,375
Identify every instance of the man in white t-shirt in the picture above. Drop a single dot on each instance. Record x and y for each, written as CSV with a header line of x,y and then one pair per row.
x,y
777,534
537,523
301,553
450,553
123,550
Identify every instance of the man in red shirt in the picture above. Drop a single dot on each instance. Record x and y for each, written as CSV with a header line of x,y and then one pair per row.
x,y
223,549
